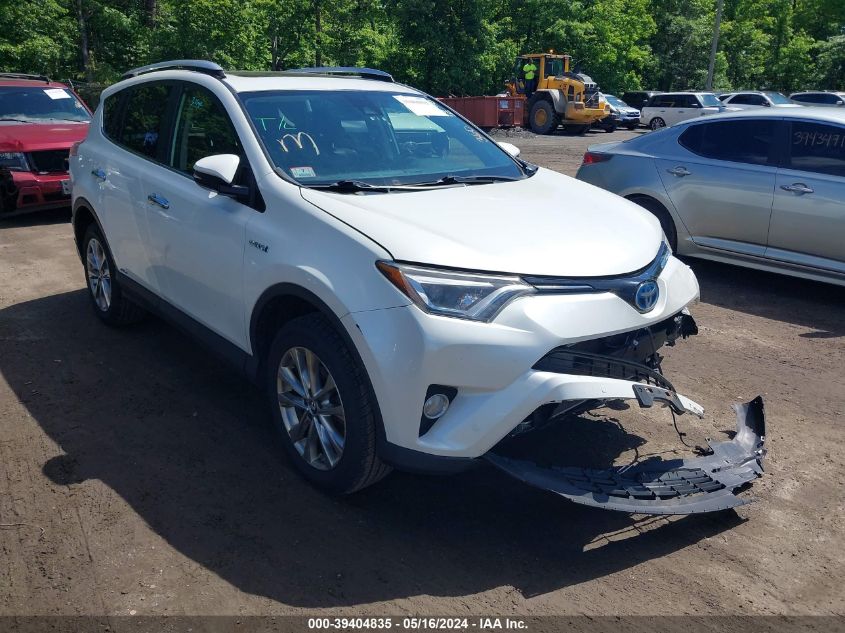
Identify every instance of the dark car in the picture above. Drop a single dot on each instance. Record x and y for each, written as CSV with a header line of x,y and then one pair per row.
x,y
39,121
637,99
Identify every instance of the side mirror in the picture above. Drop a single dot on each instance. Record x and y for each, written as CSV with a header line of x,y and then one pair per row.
x,y
218,172
767,104
511,149
840,102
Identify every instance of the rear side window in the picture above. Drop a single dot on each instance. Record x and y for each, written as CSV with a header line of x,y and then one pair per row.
x,y
818,148
746,141
746,99
202,129
111,115
143,118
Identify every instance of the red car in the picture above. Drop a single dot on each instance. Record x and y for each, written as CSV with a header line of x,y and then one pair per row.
x,y
39,121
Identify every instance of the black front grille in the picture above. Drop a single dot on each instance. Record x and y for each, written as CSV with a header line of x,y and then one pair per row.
x,y
627,356
566,361
49,161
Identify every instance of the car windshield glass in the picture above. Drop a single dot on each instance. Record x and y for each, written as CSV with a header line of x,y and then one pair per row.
x,y
616,101
708,100
26,103
777,98
371,137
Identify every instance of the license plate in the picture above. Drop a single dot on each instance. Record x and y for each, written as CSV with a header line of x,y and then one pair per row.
x,y
66,187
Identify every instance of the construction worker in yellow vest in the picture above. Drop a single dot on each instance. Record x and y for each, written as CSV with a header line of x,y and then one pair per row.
x,y
529,73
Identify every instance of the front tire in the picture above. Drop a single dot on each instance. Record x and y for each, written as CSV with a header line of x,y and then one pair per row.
x,y
104,289
543,118
322,406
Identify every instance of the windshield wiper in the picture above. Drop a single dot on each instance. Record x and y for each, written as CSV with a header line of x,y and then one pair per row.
x,y
8,118
464,180
351,186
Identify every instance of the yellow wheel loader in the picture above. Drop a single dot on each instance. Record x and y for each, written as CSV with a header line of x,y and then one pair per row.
x,y
556,96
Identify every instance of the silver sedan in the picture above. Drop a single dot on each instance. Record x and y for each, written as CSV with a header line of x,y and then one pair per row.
x,y
758,189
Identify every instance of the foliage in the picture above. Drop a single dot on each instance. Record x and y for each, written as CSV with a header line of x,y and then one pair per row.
x,y
443,46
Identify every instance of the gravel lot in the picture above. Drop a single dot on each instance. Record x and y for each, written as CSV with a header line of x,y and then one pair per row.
x,y
138,475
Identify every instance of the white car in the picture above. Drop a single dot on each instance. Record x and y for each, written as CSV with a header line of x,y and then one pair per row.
x,y
673,107
407,292
752,100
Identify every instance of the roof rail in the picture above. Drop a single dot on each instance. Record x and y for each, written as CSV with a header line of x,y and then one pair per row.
x,y
364,73
197,65
25,76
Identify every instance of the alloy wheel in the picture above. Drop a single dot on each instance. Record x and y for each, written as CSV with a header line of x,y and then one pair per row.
x,y
99,274
311,408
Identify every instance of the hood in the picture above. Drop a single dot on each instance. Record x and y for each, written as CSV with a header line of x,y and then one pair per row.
x,y
33,137
548,224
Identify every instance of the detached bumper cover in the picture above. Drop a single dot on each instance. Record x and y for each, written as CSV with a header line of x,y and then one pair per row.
x,y
688,486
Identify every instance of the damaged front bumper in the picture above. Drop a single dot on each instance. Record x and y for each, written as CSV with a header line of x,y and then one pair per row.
x,y
684,486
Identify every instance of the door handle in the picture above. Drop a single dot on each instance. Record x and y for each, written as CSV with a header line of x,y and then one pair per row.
x,y
160,201
798,187
99,174
679,171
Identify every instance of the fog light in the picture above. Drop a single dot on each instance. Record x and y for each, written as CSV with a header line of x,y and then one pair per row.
x,y
435,406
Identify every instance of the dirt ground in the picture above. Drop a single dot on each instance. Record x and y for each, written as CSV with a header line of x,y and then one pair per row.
x,y
138,474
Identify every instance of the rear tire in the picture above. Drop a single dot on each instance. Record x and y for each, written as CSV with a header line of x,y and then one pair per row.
x,y
104,289
543,118
657,123
610,129
660,212
322,406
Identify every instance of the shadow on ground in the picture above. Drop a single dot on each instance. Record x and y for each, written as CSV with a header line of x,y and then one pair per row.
x,y
35,218
187,444
809,304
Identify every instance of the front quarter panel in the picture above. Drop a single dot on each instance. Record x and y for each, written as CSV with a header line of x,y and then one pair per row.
x,y
294,242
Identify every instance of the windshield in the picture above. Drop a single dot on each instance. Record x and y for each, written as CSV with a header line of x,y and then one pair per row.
x,y
708,99
27,103
777,98
616,101
373,137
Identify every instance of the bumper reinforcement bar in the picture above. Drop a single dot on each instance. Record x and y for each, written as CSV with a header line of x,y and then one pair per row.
x,y
682,486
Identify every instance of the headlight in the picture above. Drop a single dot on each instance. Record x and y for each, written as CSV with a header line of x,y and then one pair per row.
x,y
456,294
14,161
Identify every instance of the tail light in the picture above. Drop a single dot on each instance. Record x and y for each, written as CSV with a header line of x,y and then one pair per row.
x,y
591,158
74,149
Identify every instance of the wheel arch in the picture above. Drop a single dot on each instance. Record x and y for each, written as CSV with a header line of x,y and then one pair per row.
x,y
83,216
657,207
278,305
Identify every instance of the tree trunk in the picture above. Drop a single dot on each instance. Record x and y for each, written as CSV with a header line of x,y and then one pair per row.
x,y
83,41
150,12
318,33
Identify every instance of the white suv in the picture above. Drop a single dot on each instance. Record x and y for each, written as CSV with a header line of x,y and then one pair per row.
x,y
673,107
408,292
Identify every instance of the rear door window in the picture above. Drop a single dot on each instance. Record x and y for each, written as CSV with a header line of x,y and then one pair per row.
x,y
143,120
818,148
746,141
